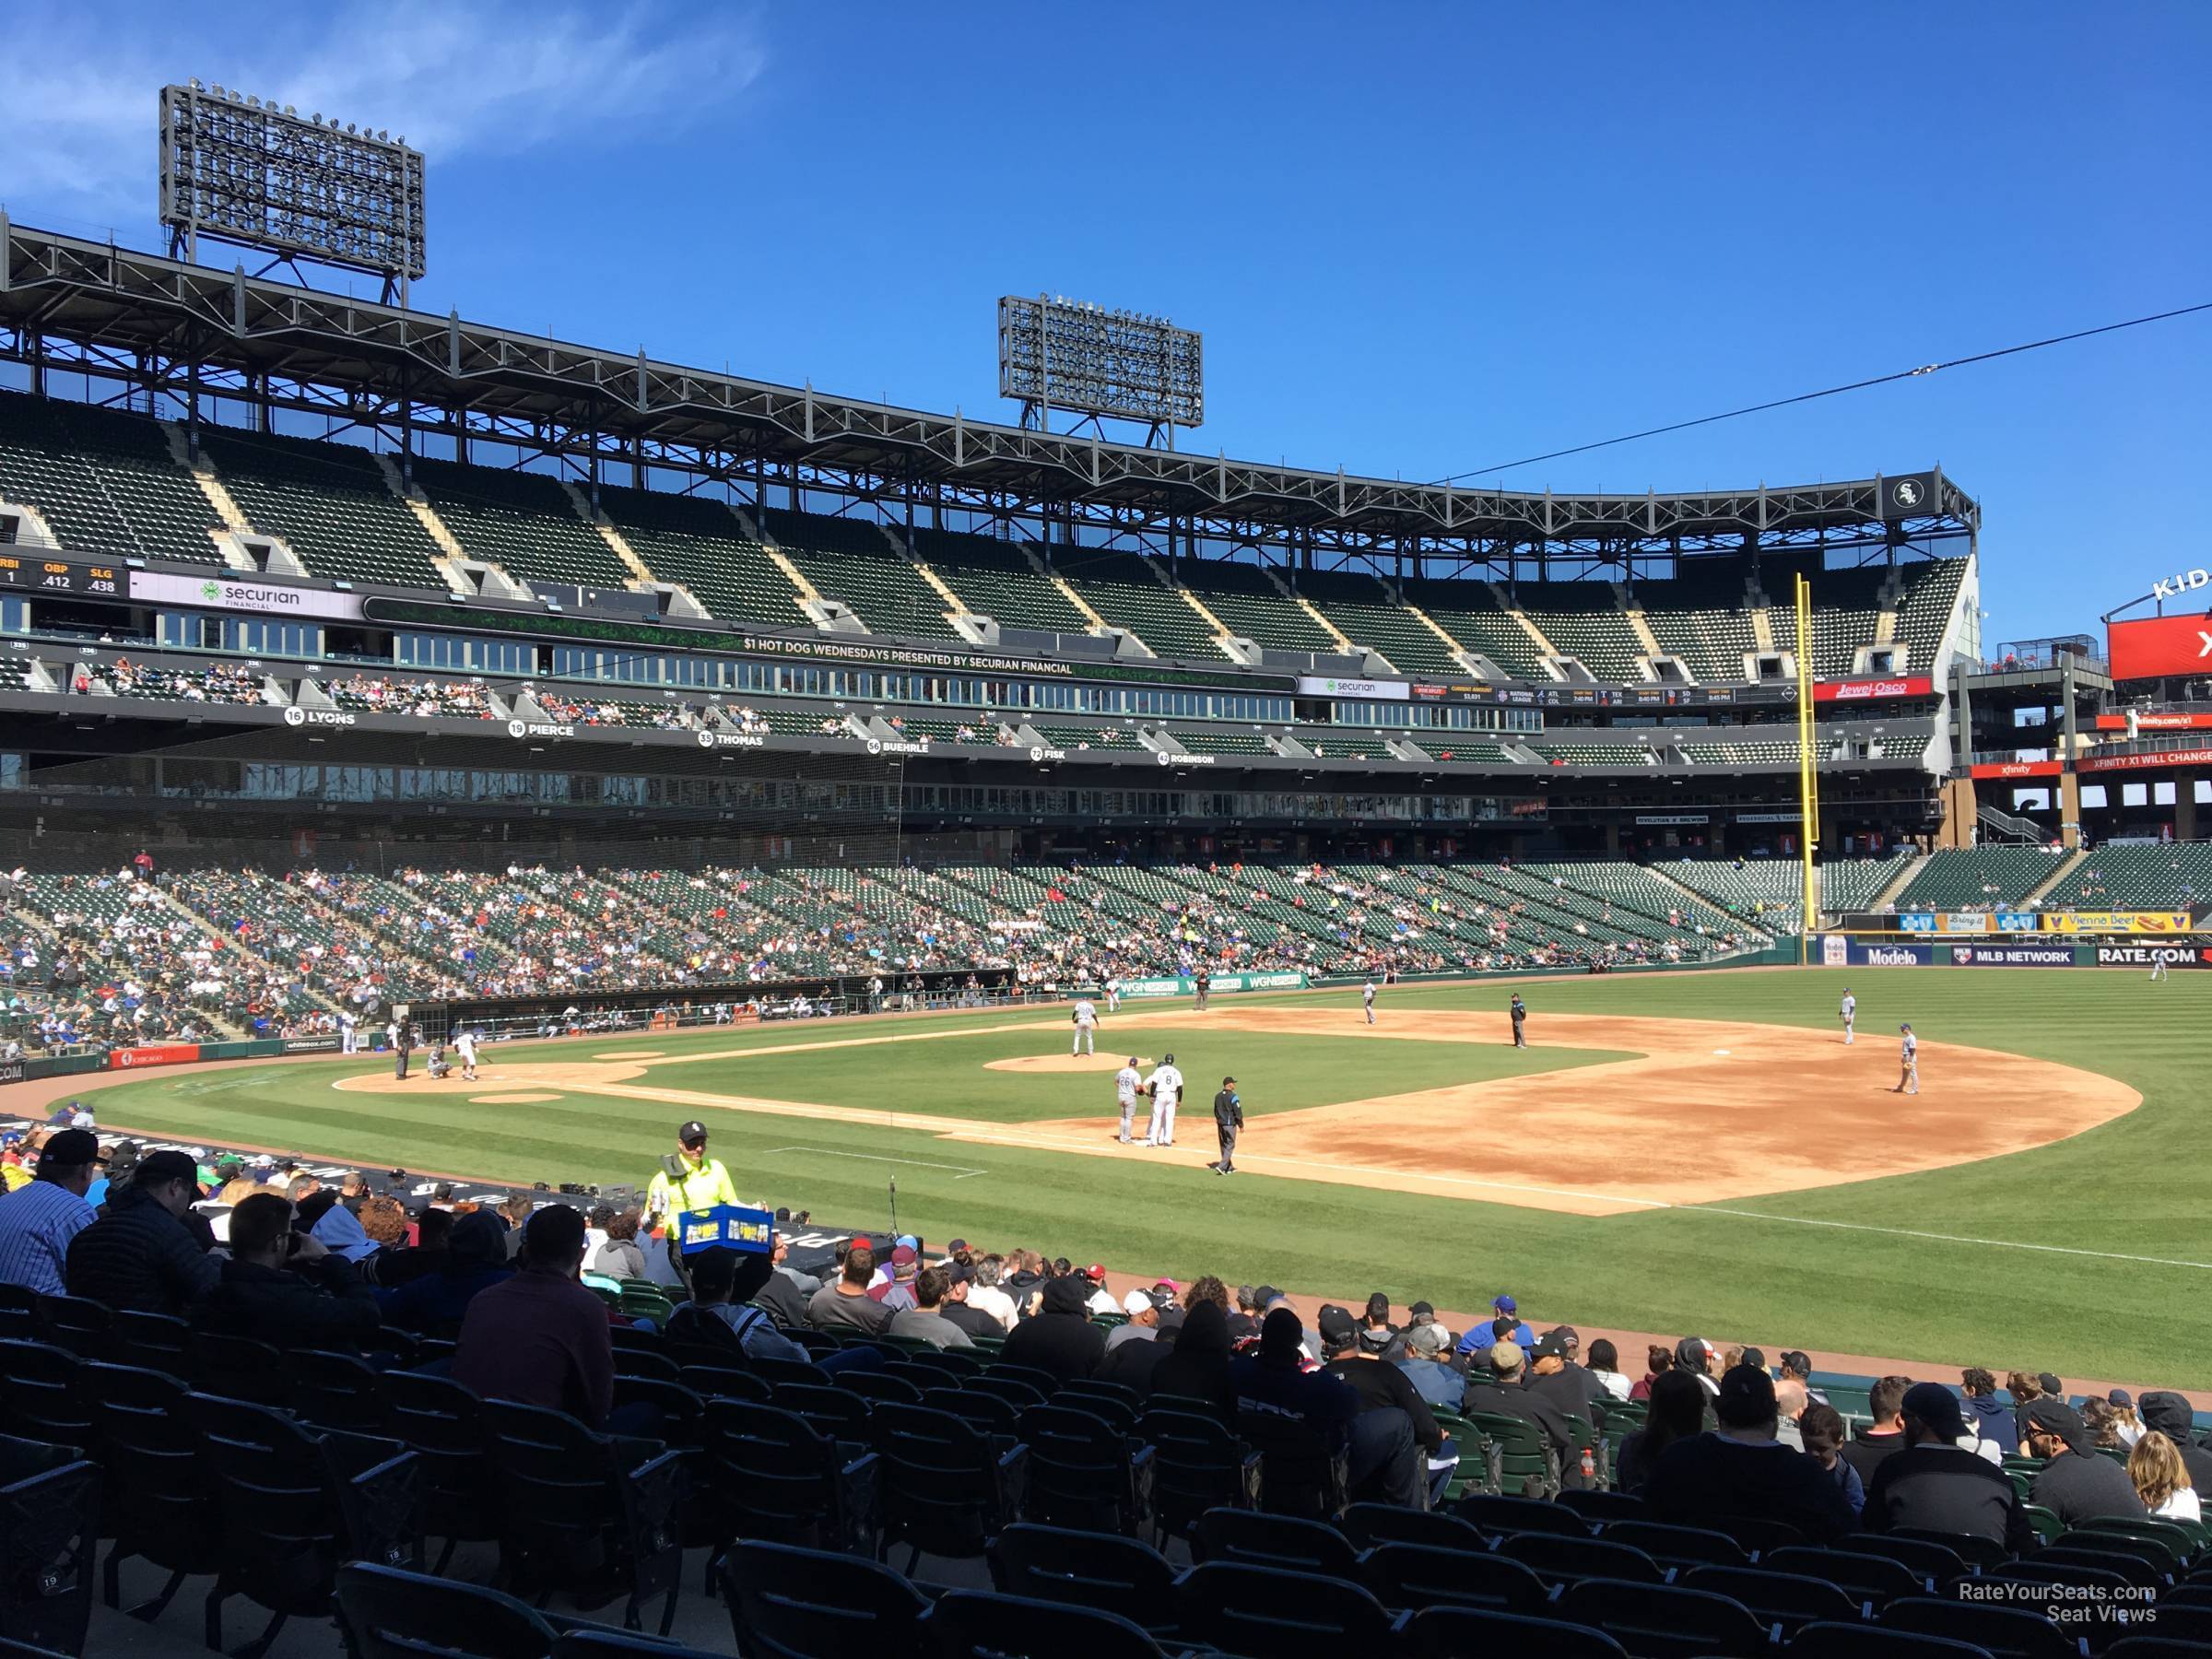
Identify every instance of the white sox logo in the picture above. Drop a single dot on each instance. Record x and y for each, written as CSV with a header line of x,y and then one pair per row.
x,y
1906,493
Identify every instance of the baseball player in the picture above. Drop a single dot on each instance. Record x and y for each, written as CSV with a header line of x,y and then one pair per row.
x,y
1085,1016
1850,1012
1165,1085
1908,1079
350,1033
1520,1014
1202,983
1229,1117
1114,993
2158,964
467,1044
1127,1084
1366,997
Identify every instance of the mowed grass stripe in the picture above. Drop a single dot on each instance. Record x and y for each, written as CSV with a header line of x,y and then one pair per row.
x,y
2133,1186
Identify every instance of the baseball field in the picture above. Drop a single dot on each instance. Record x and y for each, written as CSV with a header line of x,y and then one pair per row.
x,y
1673,1152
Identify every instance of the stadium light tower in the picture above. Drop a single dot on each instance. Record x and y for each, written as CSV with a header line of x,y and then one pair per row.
x,y
244,170
1056,353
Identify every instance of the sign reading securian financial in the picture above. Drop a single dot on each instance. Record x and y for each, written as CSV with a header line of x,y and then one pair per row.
x,y
276,600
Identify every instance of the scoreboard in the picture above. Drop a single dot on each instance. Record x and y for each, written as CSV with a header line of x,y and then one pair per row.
x,y
59,576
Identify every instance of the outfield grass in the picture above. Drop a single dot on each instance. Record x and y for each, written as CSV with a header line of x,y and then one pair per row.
x,y
1795,1268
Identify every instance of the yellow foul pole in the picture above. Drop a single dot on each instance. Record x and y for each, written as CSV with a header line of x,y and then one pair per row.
x,y
1809,770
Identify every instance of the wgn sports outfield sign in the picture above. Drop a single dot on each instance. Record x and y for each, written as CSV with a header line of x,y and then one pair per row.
x,y
1185,986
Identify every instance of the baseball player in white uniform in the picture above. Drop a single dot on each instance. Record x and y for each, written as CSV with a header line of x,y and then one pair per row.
x,y
1367,998
1113,994
1086,1017
1166,1084
1126,1082
1908,1079
467,1044
350,1033
1849,1011
2158,965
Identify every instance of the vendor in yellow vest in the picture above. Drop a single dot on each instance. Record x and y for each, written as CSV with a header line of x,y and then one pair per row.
x,y
687,1180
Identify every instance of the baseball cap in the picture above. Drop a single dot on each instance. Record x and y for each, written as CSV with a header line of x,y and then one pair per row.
x,y
1336,1326
1133,1060
907,1241
1138,1302
1548,1346
1746,1397
2120,1397
1096,1273
1422,1313
156,1168
1755,1356
1505,1358
1168,1285
1264,1297
2055,1416
1427,1340
2051,1385
71,1149
691,1132
1567,1336
902,1255
958,1272
956,1247
1933,1405
1378,1305
1168,1061
1798,1360
1505,1304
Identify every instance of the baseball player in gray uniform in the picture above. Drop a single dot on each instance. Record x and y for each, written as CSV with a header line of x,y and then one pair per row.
x,y
1126,1083
1908,1079
1367,998
1085,1016
1849,1011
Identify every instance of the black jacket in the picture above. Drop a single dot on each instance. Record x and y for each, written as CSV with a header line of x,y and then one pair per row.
x,y
1708,1475
292,1307
1485,1393
1061,1339
2080,1486
1379,1384
1941,1488
139,1258
2171,1415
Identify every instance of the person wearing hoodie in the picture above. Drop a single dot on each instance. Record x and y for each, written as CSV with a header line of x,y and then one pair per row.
x,y
1060,1339
339,1231
1985,1419
2171,1415
475,1259
1198,1366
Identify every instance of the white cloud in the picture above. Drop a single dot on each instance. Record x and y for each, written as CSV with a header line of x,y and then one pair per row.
x,y
77,127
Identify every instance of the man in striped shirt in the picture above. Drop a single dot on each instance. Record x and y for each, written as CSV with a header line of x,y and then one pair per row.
x,y
38,1222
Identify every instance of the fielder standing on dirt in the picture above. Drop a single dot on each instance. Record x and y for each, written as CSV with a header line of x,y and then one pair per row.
x,y
1229,1119
1127,1082
1520,1014
1908,1076
1849,1011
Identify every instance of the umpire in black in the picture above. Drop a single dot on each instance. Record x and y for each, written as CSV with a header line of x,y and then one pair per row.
x,y
1229,1117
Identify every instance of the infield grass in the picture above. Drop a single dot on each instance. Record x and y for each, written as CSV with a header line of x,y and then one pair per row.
x,y
1928,1265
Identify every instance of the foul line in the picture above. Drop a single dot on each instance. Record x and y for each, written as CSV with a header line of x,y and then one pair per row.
x,y
915,1163
1908,1232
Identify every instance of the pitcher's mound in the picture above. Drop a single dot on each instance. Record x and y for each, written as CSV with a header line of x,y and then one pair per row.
x,y
1108,1063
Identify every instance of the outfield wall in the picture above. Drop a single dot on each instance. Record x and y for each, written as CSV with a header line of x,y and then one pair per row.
x,y
1848,951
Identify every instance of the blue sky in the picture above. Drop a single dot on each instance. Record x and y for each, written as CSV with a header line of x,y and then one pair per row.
x,y
1418,240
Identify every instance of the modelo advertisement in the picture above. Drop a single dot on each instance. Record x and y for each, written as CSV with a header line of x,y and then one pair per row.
x,y
2012,956
1858,955
2152,956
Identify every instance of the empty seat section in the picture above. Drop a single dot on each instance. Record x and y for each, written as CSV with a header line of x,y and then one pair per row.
x,y
1121,588
105,482
1846,615
1760,751
525,523
1364,612
701,544
1925,609
2173,876
995,578
850,559
1976,877
1706,623
1469,613
1252,606
1594,754
1586,621
329,502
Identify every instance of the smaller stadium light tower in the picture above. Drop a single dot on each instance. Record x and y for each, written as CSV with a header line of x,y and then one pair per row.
x,y
1056,353
243,169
